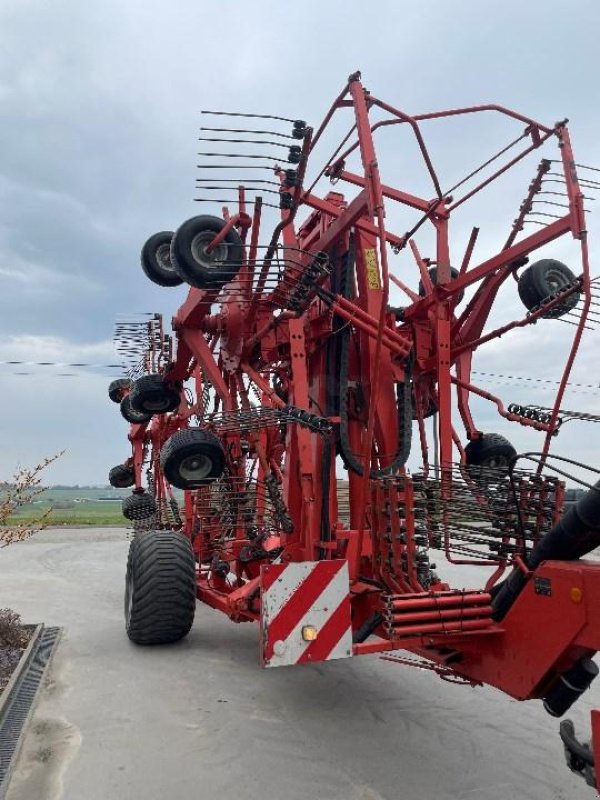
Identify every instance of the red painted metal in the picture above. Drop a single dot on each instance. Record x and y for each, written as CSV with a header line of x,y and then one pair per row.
x,y
274,348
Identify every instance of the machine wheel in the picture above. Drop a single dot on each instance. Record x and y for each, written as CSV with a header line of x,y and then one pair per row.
x,y
160,588
131,415
117,387
151,394
433,275
199,268
139,505
156,260
191,458
541,280
489,456
121,476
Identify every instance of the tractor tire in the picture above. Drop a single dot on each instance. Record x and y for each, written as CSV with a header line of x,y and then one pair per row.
x,y
121,476
210,271
192,458
541,280
151,394
117,387
160,588
156,260
131,415
433,275
489,458
137,506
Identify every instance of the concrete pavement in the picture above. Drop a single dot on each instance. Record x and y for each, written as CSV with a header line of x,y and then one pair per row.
x,y
200,719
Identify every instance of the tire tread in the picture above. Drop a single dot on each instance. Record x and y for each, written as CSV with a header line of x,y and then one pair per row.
x,y
162,567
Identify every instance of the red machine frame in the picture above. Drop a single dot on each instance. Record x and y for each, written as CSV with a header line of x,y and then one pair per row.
x,y
278,332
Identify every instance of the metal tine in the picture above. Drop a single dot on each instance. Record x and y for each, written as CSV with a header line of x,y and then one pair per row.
x,y
593,316
558,194
246,188
579,166
233,155
586,184
286,249
544,214
586,166
578,308
576,312
525,379
292,249
246,115
461,533
234,166
592,303
570,322
583,415
233,180
581,180
243,141
126,318
592,327
276,280
223,200
290,266
550,203
590,181
248,130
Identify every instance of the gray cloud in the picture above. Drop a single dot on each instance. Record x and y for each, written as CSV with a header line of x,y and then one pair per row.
x,y
98,133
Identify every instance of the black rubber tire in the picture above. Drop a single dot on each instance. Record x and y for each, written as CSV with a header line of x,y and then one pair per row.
x,y
139,505
196,267
131,415
193,449
160,588
156,260
151,394
542,279
433,275
489,457
117,387
121,476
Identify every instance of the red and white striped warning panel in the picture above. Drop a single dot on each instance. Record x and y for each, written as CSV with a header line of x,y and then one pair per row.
x,y
305,614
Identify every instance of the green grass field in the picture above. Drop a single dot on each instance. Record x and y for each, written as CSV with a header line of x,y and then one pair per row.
x,y
76,506
95,513
81,493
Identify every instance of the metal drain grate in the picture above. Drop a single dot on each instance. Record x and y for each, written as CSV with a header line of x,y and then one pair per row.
x,y
19,707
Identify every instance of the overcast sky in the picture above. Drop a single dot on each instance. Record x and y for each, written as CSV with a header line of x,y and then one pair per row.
x,y
99,121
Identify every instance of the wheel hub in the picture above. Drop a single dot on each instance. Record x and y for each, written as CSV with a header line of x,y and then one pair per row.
x,y
195,467
199,245
163,256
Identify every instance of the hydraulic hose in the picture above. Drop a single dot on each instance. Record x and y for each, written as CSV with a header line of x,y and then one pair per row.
x,y
403,393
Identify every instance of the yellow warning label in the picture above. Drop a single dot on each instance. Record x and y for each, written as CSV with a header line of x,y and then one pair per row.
x,y
373,281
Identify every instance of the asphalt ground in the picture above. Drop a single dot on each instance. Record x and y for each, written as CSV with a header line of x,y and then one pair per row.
x,y
200,719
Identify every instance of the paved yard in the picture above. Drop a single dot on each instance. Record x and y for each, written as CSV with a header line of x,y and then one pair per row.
x,y
201,720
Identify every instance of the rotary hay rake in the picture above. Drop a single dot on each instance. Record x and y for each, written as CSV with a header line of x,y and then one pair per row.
x,y
287,364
